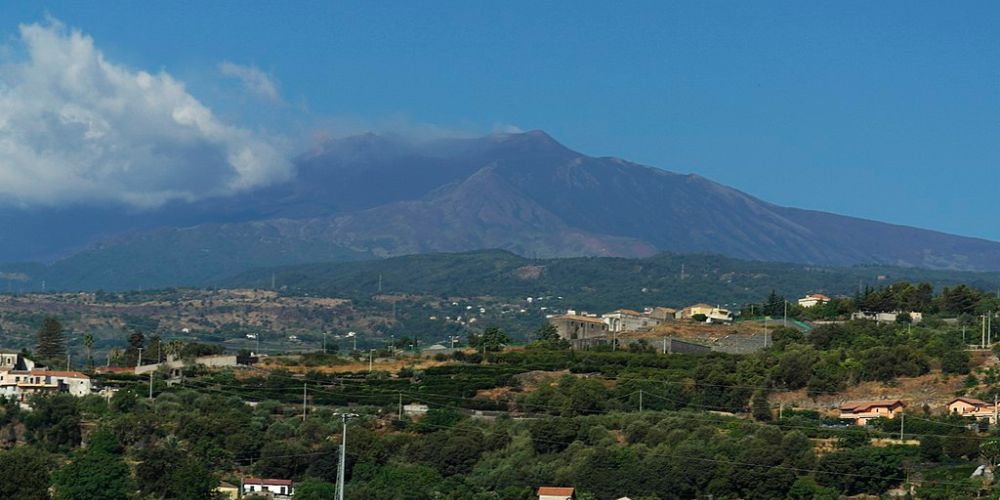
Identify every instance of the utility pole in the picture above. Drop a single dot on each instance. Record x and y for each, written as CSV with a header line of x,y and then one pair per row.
x,y
341,469
995,421
67,361
781,409
982,341
902,418
640,400
401,406
138,361
664,344
150,386
371,357
303,402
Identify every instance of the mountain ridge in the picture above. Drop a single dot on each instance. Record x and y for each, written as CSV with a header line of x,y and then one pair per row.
x,y
375,196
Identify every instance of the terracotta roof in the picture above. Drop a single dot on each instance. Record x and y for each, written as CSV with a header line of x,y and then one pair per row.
x,y
555,491
860,406
665,309
971,401
817,296
56,373
267,482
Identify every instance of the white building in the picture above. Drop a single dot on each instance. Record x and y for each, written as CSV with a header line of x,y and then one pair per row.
x,y
813,300
276,488
22,384
626,320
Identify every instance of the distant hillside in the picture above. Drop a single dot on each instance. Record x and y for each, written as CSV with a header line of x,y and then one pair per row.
x,y
371,196
596,283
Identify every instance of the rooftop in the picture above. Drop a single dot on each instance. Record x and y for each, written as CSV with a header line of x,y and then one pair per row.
x,y
267,482
555,491
859,406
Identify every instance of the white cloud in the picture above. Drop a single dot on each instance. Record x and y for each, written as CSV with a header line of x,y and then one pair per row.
x,y
75,127
253,79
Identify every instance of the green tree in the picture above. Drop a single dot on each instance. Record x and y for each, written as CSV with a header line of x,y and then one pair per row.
x,y
491,340
51,344
136,341
94,472
761,408
990,451
55,422
88,343
192,479
955,361
26,473
312,489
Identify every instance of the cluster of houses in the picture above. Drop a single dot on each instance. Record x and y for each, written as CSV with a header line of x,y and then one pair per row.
x,y
863,412
21,378
578,327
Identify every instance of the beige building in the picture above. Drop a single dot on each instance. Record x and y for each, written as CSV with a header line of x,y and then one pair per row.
x,y
971,407
863,411
692,311
663,314
575,327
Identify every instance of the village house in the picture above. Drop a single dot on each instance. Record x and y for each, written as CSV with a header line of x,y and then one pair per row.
x,y
664,314
22,384
863,411
13,360
813,300
626,320
574,327
275,488
692,311
971,407
556,493
227,490
887,317
712,314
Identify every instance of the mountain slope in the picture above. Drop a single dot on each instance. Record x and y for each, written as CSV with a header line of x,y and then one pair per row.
x,y
372,196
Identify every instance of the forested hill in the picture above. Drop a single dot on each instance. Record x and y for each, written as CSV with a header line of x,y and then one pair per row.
x,y
592,282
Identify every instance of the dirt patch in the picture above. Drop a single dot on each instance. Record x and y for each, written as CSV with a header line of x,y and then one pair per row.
x,y
933,389
379,364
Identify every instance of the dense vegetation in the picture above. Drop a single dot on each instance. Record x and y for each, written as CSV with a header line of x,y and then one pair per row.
x,y
585,430
593,283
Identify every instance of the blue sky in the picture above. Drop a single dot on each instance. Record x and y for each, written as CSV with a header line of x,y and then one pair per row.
x,y
882,110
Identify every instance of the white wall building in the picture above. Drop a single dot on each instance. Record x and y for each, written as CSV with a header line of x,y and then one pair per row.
x,y
277,488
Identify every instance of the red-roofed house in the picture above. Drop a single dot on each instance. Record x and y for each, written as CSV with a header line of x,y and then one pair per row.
x,y
971,407
275,488
22,383
813,299
556,493
863,411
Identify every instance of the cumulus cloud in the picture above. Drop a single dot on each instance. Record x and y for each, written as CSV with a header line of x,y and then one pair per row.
x,y
253,79
75,127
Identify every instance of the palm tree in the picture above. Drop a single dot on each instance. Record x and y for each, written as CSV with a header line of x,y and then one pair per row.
x,y
115,354
88,343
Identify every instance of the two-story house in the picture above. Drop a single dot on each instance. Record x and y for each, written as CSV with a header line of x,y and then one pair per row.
x,y
862,412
